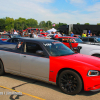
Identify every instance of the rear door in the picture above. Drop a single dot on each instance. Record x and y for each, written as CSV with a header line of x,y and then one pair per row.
x,y
11,59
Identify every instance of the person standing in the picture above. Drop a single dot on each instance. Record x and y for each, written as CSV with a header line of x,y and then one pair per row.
x,y
32,34
35,35
15,32
72,34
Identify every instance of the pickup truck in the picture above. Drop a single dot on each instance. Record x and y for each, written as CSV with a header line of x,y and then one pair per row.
x,y
92,49
52,62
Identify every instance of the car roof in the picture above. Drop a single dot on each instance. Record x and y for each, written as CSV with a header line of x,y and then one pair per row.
x,y
91,37
38,40
67,37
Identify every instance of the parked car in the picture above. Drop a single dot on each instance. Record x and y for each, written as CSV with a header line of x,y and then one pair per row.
x,y
50,36
44,34
51,61
92,49
70,42
4,37
91,39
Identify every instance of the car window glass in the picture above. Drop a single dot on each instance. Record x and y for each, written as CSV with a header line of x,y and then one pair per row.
x,y
2,36
16,40
57,49
67,40
32,47
6,36
85,39
91,39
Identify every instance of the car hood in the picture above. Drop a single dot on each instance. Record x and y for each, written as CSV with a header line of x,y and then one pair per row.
x,y
80,58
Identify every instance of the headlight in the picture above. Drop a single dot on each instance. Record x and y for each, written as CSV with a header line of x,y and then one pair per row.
x,y
93,73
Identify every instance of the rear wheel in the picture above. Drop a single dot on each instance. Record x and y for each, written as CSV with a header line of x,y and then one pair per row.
x,y
1,68
70,82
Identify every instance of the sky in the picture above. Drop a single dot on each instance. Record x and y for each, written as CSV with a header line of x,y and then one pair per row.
x,y
63,11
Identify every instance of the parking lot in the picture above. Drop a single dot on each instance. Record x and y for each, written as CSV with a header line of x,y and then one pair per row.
x,y
14,87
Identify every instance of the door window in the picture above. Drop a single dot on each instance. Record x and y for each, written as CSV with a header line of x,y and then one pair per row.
x,y
32,48
91,39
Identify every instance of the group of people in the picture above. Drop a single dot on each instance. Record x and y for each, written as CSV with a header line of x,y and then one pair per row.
x,y
87,35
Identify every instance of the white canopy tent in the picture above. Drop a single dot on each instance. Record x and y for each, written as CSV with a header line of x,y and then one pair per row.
x,y
52,30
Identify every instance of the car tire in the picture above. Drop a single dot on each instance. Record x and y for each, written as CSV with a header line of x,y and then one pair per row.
x,y
1,68
70,82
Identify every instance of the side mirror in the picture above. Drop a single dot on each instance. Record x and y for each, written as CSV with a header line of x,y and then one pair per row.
x,y
76,50
40,52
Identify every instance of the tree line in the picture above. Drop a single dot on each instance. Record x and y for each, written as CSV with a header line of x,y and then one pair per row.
x,y
9,24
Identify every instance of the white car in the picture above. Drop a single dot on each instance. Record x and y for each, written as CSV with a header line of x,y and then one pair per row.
x,y
90,49
49,36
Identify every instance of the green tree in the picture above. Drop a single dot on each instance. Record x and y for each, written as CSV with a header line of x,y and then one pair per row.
x,y
2,24
49,24
98,23
78,23
86,24
42,24
32,23
9,24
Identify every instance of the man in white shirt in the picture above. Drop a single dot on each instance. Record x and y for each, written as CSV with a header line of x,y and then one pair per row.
x,y
15,32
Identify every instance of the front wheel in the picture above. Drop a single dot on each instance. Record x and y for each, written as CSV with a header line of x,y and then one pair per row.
x,y
1,68
70,82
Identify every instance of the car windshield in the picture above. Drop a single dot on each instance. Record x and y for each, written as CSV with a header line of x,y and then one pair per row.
x,y
98,39
78,40
57,49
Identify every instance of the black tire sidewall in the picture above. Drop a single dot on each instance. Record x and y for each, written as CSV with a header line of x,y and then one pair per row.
x,y
2,68
79,80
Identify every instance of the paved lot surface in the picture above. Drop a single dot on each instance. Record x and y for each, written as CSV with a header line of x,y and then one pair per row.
x,y
29,89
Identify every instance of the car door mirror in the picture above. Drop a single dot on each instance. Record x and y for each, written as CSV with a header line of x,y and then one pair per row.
x,y
76,49
39,52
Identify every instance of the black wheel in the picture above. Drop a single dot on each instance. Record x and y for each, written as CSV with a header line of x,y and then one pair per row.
x,y
1,68
70,82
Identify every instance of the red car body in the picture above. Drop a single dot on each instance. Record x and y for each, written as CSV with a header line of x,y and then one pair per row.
x,y
44,34
67,40
80,64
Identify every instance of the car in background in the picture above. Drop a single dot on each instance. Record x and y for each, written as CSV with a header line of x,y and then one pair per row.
x,y
50,36
4,37
44,34
70,42
40,36
94,39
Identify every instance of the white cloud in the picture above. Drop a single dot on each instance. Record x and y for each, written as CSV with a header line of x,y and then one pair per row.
x,y
95,7
43,1
77,1
34,9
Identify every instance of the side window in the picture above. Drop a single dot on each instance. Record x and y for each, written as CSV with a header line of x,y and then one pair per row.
x,y
67,40
2,36
60,39
6,36
15,40
91,39
85,39
32,47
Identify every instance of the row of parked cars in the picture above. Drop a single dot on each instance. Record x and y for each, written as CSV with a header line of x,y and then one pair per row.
x,y
52,61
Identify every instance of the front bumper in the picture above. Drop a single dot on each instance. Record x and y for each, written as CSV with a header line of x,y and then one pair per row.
x,y
92,83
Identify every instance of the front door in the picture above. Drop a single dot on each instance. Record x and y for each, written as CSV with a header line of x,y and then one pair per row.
x,y
33,65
